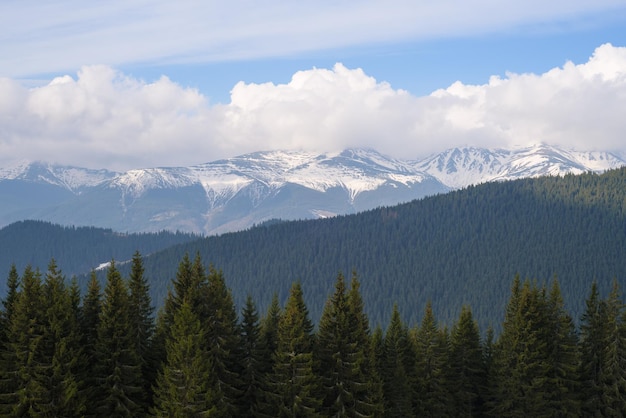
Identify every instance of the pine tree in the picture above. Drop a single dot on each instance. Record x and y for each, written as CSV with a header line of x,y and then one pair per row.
x,y
505,395
218,315
118,367
337,356
613,376
268,337
466,362
369,400
343,354
25,347
8,372
562,378
252,362
432,350
183,387
395,364
295,382
61,349
142,325
89,324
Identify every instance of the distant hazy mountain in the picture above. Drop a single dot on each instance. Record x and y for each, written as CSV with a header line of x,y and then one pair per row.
x,y
236,193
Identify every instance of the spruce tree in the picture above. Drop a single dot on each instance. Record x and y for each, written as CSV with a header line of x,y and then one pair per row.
x,y
369,400
252,361
183,386
294,379
431,347
269,343
62,350
89,324
25,348
218,315
467,377
8,371
395,368
142,325
613,376
562,369
343,355
337,357
118,368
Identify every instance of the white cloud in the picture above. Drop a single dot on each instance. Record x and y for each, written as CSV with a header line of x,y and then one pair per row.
x,y
102,118
62,35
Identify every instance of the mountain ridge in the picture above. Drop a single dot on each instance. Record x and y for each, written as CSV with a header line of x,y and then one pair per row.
x,y
236,193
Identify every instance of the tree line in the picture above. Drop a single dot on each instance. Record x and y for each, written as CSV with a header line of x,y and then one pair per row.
x,y
106,353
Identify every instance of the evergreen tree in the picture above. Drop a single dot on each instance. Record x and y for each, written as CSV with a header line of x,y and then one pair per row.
x,y
62,351
343,354
369,400
466,362
252,362
395,372
8,371
89,324
561,372
269,343
613,376
118,368
183,385
432,350
217,311
505,395
142,325
25,348
295,382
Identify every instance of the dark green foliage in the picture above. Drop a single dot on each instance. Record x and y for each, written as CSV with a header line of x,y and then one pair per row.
x,y
253,362
183,387
342,355
8,376
268,342
603,355
460,248
141,324
467,378
89,324
294,382
219,317
77,249
62,357
118,367
25,348
431,347
58,358
396,365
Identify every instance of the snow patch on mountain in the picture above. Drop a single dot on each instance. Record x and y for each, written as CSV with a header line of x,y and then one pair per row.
x,y
461,167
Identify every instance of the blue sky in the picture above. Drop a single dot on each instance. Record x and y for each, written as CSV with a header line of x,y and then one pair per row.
x,y
124,84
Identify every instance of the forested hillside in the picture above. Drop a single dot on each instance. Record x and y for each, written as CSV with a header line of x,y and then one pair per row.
x,y
77,249
459,248
104,354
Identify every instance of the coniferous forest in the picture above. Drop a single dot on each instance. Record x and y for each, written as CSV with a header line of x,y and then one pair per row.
x,y
106,353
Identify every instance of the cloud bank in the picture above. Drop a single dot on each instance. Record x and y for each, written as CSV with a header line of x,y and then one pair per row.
x,y
102,118
61,35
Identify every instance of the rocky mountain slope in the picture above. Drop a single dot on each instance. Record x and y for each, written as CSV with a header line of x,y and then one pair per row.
x,y
236,193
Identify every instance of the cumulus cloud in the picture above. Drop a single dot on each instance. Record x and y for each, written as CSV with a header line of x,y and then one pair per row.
x,y
103,118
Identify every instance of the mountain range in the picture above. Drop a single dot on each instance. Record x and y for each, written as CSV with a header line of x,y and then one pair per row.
x,y
237,193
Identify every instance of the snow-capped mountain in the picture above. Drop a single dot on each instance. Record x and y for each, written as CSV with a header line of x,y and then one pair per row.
x,y
460,167
236,193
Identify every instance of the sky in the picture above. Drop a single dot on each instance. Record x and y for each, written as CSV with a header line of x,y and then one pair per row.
x,y
137,83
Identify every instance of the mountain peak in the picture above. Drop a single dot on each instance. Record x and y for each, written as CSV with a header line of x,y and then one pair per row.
x,y
238,192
